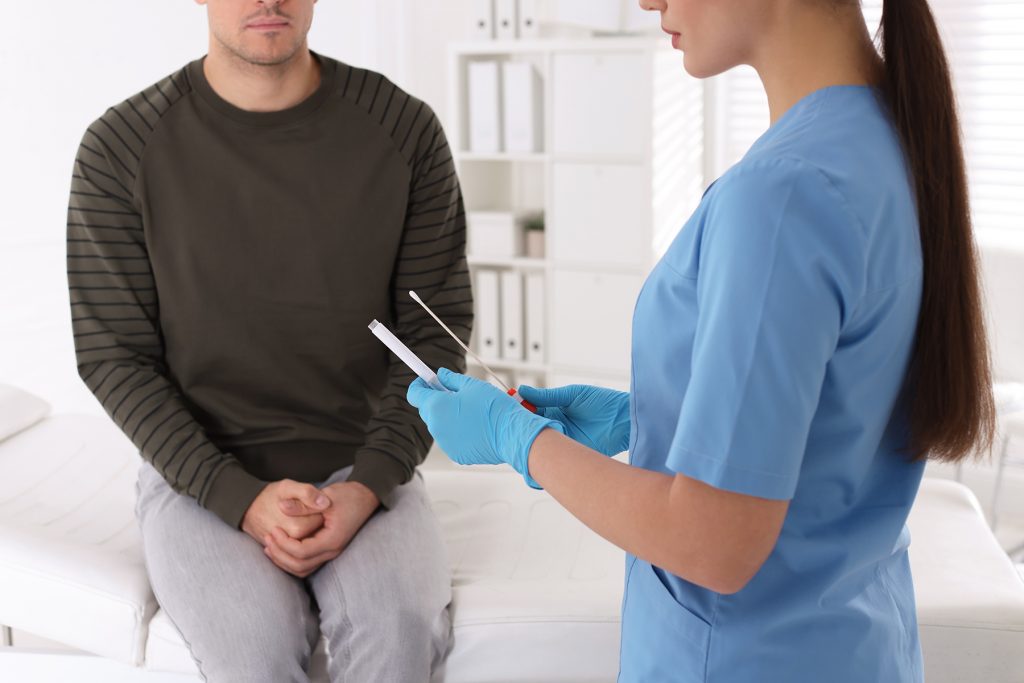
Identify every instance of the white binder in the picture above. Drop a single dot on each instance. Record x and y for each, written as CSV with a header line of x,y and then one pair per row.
x,y
536,347
596,15
511,315
488,326
484,107
521,103
529,18
483,19
506,21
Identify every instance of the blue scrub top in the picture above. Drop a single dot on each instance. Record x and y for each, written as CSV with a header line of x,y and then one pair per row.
x,y
770,349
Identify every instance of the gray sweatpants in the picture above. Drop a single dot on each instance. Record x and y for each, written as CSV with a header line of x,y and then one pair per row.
x,y
382,603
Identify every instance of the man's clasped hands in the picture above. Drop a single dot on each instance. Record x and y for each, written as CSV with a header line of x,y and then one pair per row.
x,y
302,527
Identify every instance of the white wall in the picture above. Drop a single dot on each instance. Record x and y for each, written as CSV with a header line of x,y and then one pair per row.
x,y
433,24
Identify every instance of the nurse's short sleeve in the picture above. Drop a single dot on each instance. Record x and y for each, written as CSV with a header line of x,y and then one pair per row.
x,y
781,264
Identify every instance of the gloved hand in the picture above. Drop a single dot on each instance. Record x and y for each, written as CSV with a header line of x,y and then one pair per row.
x,y
478,424
594,416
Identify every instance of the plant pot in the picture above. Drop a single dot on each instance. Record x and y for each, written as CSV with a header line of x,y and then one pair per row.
x,y
535,243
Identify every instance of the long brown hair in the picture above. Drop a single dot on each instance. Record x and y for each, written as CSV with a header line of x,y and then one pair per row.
x,y
952,411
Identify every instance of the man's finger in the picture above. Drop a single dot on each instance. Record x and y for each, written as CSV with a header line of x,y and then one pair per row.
x,y
293,507
293,565
307,548
307,494
312,564
279,558
296,528
282,559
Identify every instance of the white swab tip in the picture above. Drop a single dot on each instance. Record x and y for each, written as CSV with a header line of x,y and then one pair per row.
x,y
415,296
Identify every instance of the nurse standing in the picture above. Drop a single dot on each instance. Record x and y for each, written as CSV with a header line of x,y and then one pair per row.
x,y
810,338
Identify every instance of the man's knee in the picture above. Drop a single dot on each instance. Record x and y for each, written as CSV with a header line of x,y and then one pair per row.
x,y
410,609
253,653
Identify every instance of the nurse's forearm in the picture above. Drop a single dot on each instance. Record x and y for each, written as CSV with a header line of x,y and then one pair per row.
x,y
710,537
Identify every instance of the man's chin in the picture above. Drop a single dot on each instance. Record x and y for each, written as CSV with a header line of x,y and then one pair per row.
x,y
267,58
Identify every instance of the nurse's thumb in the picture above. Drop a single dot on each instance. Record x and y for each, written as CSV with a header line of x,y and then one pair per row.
x,y
452,380
548,398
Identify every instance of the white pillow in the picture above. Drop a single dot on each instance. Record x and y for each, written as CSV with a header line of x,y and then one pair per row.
x,y
19,410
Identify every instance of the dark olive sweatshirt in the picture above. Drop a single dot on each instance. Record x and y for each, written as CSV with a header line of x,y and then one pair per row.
x,y
223,267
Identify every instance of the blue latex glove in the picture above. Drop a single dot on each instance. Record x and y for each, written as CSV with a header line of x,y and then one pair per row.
x,y
477,423
594,416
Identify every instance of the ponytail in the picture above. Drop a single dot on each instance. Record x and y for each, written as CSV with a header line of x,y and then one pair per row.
x,y
952,412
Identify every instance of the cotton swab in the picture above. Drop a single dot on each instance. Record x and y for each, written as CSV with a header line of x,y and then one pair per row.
x,y
509,390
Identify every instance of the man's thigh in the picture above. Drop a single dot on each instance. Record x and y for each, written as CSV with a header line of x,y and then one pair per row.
x,y
394,576
230,602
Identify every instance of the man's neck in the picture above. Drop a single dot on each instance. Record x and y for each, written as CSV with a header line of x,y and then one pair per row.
x,y
255,87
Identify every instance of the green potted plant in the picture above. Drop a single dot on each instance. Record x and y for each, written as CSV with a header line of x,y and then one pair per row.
x,y
534,227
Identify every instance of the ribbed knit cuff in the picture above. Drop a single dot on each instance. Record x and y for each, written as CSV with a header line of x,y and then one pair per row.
x,y
231,493
380,473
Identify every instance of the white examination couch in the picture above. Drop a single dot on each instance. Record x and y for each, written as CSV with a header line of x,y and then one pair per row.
x,y
536,595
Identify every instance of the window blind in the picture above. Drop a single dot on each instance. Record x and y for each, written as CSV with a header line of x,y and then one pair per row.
x,y
984,41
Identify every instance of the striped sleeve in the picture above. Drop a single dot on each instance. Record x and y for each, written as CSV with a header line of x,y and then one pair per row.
x,y
115,313
431,261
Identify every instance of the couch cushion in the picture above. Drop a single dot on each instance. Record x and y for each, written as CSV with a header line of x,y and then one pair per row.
x,y
537,595
165,648
970,599
71,567
19,410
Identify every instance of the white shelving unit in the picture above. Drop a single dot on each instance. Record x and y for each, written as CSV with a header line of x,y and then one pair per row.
x,y
621,168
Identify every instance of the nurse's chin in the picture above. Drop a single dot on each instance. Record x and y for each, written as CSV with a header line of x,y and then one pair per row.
x,y
702,68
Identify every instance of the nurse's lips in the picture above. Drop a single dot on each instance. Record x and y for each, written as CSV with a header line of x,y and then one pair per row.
x,y
675,37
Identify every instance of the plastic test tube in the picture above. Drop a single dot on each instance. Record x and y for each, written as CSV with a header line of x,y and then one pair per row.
x,y
407,356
